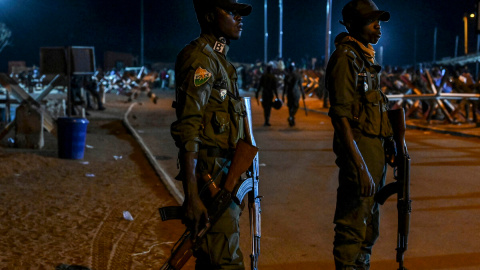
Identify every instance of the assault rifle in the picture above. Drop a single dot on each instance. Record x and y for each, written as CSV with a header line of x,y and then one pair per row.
x,y
244,160
250,186
401,186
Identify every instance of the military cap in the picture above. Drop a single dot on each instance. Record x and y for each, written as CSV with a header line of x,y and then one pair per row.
x,y
363,11
203,6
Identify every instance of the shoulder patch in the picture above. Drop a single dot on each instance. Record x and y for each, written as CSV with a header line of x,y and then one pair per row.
x,y
201,76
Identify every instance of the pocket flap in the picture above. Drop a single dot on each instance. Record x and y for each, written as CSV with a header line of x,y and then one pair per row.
x,y
221,118
372,96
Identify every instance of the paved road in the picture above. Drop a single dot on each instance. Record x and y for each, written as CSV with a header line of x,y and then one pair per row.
x,y
299,180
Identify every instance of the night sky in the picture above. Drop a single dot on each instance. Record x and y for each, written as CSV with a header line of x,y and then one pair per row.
x,y
115,25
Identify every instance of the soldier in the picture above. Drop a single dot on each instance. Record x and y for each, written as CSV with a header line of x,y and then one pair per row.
x,y
268,86
292,88
209,124
359,115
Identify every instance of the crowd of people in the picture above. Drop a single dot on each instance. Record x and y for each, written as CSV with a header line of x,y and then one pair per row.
x,y
394,80
412,80
132,82
435,79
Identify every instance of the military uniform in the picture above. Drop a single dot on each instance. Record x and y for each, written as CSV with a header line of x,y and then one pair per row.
x,y
268,86
354,88
210,121
293,89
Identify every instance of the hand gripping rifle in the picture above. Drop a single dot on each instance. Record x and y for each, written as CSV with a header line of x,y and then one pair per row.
x,y
401,186
242,160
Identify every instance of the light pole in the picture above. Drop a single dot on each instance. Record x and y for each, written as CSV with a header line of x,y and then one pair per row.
x,y
142,42
465,29
328,32
456,47
435,45
266,33
280,41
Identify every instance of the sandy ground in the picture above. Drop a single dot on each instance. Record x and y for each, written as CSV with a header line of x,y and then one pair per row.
x,y
58,211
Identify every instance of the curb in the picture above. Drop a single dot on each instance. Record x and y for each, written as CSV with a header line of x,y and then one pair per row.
x,y
164,177
421,127
443,131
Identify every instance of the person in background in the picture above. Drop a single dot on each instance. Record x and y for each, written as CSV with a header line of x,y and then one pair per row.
x,y
268,86
91,86
293,89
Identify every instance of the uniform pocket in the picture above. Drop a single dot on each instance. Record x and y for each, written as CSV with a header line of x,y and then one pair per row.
x,y
220,122
216,129
237,109
373,113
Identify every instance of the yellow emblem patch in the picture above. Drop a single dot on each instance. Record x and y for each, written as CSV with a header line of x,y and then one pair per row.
x,y
201,76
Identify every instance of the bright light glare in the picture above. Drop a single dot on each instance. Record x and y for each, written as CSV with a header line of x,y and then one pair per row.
x,y
472,15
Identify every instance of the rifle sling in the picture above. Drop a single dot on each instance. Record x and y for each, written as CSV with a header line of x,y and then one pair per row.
x,y
213,178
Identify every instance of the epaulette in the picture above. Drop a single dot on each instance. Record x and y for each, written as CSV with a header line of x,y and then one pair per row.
x,y
207,50
353,54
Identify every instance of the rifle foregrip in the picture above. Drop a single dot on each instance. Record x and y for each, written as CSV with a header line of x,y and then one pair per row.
x,y
171,212
384,193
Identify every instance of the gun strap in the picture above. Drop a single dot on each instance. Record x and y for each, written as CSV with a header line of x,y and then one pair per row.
x,y
213,178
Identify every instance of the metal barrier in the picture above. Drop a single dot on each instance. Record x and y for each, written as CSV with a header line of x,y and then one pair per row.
x,y
437,99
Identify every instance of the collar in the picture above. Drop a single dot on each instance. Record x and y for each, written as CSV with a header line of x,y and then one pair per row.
x,y
369,52
217,44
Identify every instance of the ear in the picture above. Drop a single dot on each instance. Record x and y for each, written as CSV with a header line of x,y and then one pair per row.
x,y
210,17
348,25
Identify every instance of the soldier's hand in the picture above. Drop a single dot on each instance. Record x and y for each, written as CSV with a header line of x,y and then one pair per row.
x,y
196,215
367,185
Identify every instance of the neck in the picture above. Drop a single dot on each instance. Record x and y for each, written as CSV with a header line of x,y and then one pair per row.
x,y
360,39
215,33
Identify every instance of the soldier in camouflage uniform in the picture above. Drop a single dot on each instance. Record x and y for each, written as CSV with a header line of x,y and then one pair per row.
x,y
359,115
209,124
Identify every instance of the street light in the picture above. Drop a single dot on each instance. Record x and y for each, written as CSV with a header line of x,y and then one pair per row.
x,y
465,23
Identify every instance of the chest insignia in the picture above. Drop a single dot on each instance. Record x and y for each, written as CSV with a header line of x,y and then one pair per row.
x,y
201,76
223,93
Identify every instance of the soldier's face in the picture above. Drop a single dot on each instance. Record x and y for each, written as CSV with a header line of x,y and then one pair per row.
x,y
370,33
229,24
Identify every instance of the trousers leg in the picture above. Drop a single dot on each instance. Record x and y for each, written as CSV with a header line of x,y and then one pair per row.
x,y
220,248
356,217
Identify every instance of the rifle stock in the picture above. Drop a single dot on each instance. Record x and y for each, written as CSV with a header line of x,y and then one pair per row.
x,y
183,250
401,186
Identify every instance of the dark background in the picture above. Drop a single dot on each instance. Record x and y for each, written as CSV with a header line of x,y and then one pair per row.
x,y
115,25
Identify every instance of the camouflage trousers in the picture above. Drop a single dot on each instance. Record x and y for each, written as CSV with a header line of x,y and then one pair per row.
x,y
357,218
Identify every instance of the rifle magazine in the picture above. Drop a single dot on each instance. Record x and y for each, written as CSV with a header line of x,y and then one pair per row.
x,y
384,193
245,187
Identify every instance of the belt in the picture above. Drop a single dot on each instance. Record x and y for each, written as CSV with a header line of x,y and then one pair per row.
x,y
218,152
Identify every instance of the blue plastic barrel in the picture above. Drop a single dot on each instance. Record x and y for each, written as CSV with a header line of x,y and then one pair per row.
x,y
72,134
